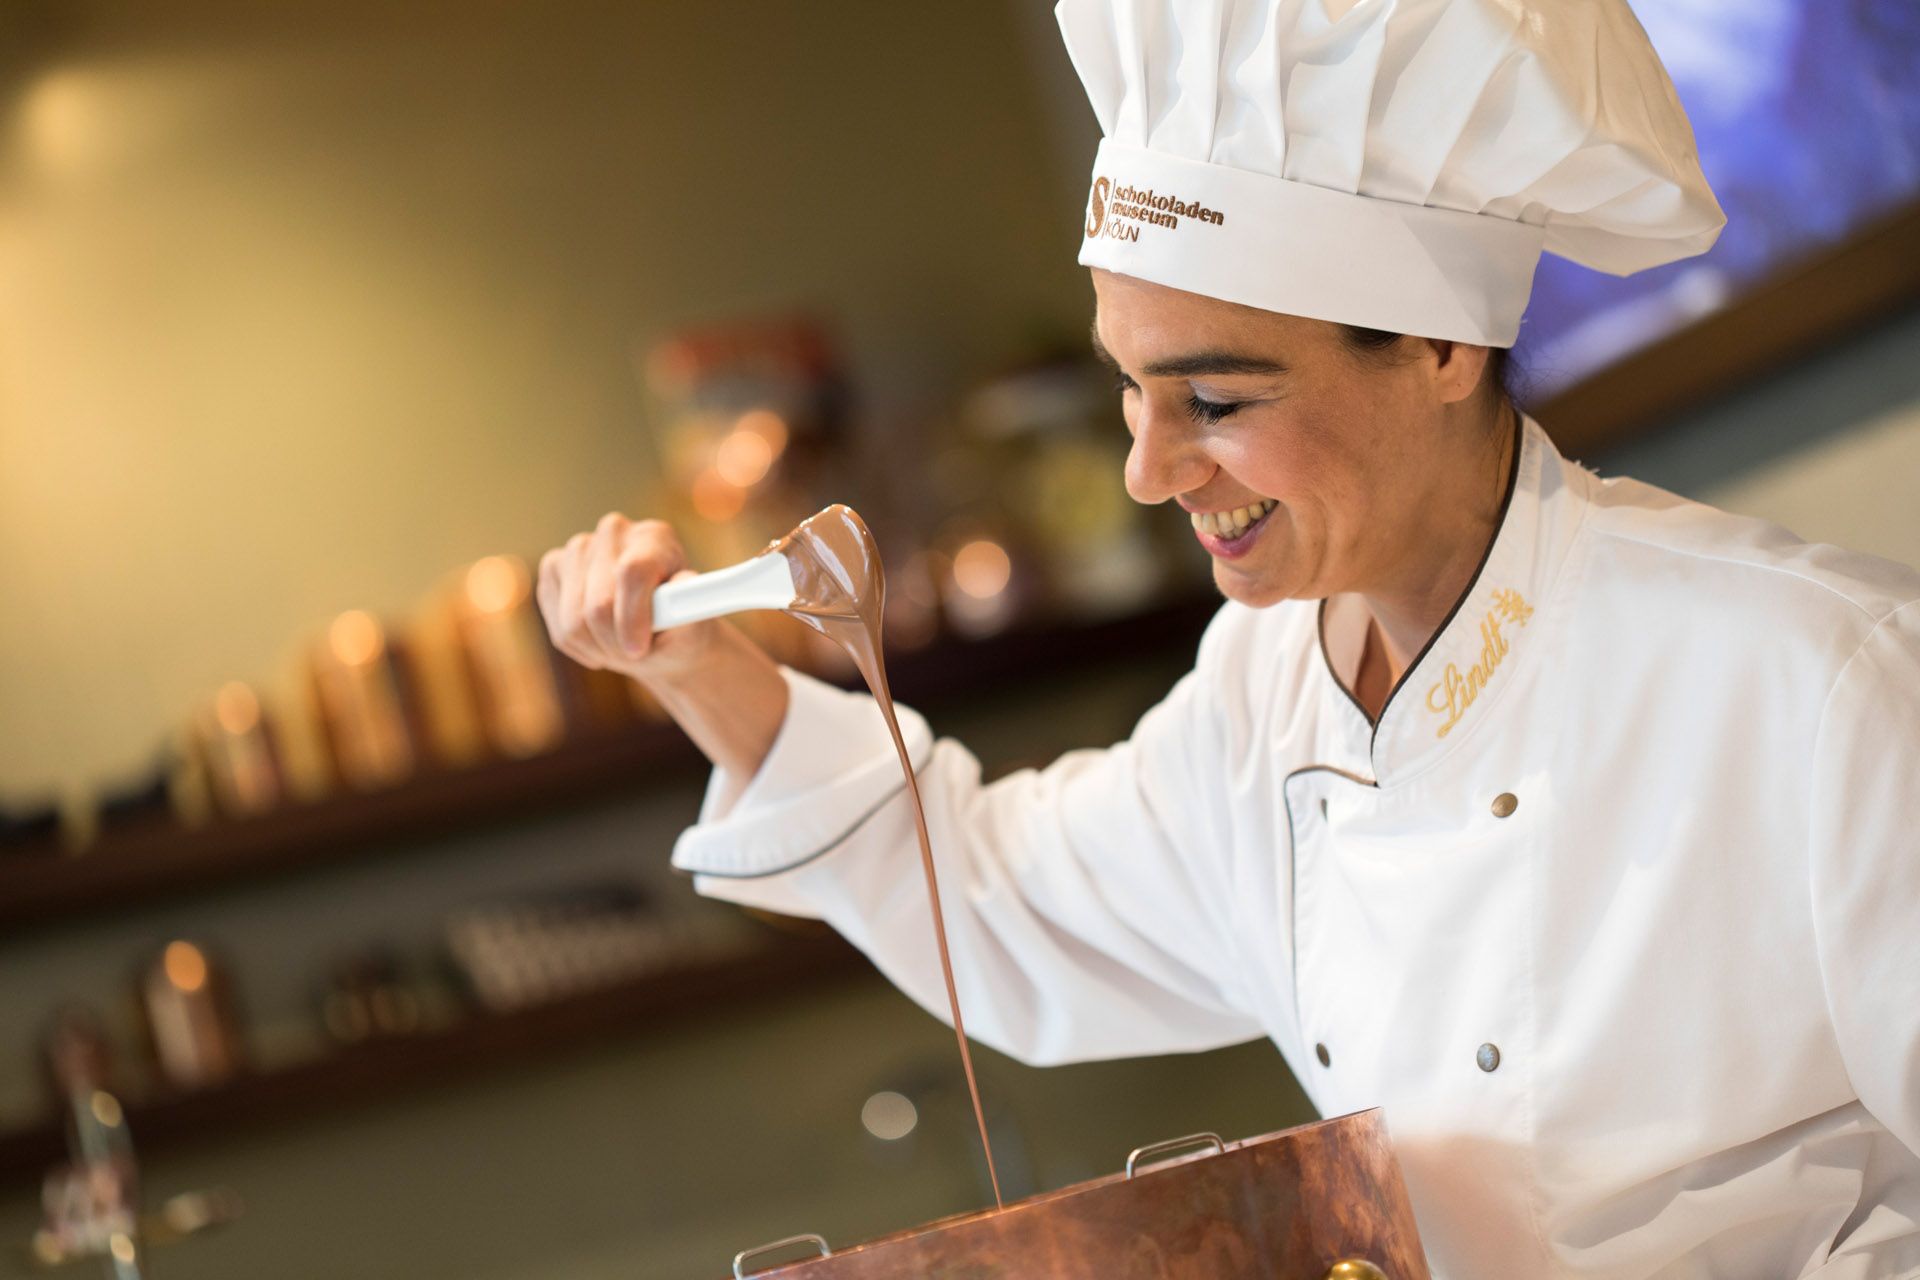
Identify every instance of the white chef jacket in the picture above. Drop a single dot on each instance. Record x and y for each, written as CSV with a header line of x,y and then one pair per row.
x,y
1616,911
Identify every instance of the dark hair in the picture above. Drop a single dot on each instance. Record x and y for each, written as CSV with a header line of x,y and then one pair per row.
x,y
1380,344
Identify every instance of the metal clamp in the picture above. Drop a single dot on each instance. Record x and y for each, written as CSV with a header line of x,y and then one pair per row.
x,y
1174,1144
740,1258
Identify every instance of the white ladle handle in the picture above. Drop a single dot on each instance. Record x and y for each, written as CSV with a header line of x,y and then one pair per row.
x,y
764,582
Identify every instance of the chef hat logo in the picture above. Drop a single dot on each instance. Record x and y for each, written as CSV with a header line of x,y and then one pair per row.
x,y
1097,206
1396,164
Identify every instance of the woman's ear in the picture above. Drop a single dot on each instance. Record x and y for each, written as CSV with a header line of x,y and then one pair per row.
x,y
1456,369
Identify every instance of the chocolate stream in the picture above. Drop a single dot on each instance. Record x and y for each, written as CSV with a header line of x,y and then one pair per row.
x,y
840,590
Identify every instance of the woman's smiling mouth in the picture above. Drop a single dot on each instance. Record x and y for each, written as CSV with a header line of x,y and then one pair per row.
x,y
1230,534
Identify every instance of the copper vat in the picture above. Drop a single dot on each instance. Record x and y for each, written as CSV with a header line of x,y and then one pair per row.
x,y
1323,1200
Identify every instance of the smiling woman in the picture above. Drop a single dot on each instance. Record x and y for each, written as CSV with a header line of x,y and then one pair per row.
x,y
1378,467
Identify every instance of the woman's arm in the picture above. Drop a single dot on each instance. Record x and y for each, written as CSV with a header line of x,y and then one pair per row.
x,y
1088,904
1865,869
732,706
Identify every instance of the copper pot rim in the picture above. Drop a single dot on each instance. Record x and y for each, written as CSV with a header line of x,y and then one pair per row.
x,y
1032,1202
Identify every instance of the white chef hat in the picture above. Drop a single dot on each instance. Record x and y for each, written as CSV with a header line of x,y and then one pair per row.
x,y
1393,164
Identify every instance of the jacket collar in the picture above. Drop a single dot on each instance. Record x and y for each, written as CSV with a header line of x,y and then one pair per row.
x,y
1467,668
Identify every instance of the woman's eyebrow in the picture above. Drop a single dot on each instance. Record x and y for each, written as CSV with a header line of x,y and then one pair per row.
x,y
1211,363
1199,364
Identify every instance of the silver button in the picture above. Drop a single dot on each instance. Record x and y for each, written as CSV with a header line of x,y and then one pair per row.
x,y
1504,804
1488,1057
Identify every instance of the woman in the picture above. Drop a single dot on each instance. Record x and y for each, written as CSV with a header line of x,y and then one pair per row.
x,y
1573,823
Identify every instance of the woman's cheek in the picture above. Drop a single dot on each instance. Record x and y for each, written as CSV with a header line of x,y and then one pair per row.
x,y
1272,462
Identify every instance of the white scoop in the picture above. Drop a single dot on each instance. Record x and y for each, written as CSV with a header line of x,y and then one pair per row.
x,y
764,582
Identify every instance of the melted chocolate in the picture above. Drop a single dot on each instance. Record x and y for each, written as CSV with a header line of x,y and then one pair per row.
x,y
840,590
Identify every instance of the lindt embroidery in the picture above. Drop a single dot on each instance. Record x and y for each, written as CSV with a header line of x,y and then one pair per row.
x,y
1456,690
1512,606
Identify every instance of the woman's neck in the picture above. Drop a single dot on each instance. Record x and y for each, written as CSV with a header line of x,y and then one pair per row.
x,y
1461,518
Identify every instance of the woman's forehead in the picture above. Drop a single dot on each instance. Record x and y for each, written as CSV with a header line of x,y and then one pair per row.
x,y
1139,321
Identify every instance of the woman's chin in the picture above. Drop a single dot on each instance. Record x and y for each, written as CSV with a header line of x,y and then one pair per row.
x,y
1244,586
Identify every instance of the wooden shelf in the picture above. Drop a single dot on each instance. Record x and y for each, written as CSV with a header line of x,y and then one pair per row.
x,y
140,864
144,862
467,1049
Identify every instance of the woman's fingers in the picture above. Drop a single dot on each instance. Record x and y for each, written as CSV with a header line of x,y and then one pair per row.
x,y
596,592
575,640
548,593
603,567
651,555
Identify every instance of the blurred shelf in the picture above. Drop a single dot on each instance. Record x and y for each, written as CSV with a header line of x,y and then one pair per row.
x,y
144,863
152,859
475,1046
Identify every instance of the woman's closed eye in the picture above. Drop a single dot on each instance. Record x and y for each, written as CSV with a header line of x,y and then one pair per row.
x,y
1203,410
1199,408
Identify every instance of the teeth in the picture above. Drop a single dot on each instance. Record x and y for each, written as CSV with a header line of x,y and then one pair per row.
x,y
1227,524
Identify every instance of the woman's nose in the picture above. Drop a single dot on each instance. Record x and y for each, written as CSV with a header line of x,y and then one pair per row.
x,y
1165,460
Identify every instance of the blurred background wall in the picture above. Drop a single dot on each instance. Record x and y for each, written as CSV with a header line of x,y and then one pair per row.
x,y
301,304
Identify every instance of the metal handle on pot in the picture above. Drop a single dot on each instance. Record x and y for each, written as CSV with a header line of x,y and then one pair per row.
x,y
740,1258
1174,1144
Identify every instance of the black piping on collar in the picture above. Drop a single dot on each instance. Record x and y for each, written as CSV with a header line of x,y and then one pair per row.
x,y
1499,527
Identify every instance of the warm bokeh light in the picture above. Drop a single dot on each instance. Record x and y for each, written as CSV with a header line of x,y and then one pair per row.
x,y
355,637
121,1245
981,569
185,965
496,584
766,424
237,708
743,459
106,1109
715,499
889,1116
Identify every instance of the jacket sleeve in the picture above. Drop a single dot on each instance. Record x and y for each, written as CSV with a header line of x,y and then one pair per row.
x,y
1086,904
1866,869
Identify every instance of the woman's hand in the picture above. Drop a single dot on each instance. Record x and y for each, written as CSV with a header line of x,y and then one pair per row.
x,y
596,594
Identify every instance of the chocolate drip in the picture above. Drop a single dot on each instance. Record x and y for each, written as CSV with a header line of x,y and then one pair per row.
x,y
840,590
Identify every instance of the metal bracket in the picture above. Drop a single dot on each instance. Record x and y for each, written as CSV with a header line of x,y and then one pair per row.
x,y
1175,1144
740,1258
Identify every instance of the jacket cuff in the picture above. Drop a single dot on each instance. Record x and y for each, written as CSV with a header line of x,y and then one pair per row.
x,y
831,767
